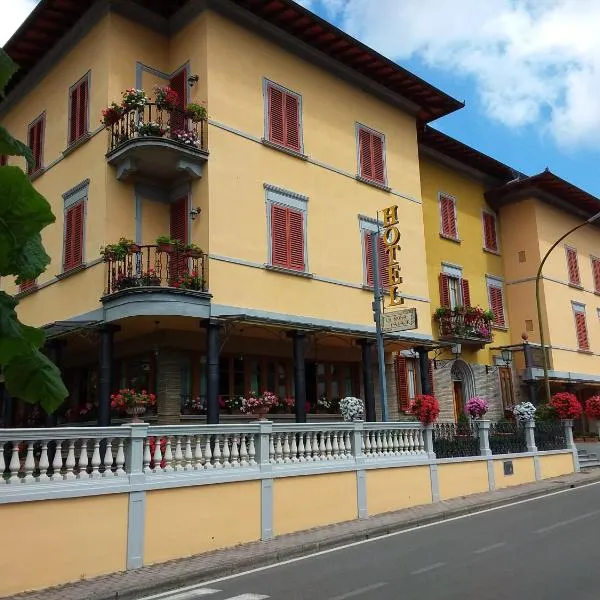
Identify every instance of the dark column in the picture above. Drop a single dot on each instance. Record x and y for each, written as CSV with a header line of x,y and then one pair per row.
x,y
54,353
8,406
298,339
531,392
424,370
369,389
212,372
107,334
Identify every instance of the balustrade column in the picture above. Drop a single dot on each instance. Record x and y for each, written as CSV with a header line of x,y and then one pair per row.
x,y
299,338
368,381
105,373
134,452
428,439
212,371
483,431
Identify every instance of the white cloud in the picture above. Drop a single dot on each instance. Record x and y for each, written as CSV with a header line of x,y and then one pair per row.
x,y
13,15
534,62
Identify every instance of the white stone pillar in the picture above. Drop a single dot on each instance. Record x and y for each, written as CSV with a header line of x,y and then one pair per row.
x,y
568,425
530,435
483,431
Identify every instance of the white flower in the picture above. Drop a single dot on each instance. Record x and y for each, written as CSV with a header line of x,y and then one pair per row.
x,y
352,409
524,411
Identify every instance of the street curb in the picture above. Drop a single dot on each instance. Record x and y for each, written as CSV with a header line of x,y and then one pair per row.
x,y
275,556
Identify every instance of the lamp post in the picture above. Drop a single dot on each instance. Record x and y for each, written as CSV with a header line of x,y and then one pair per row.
x,y
538,302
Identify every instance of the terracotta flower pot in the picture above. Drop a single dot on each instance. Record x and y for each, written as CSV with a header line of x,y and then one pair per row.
x,y
168,248
261,412
135,412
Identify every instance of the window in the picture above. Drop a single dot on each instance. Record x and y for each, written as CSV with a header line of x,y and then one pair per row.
x,y
178,230
286,217
74,229
408,380
35,140
596,273
454,290
28,285
496,300
283,122
3,160
371,155
448,227
506,388
573,266
368,226
490,234
528,325
78,109
583,342
179,84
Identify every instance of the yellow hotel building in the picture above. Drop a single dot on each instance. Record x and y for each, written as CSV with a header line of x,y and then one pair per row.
x,y
308,134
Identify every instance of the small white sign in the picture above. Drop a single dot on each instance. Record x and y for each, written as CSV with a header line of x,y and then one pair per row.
x,y
399,320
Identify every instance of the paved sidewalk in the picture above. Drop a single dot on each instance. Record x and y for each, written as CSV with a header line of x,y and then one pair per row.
x,y
158,578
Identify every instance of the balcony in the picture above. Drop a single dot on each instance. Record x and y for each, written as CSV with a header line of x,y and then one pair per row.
x,y
147,269
154,144
471,326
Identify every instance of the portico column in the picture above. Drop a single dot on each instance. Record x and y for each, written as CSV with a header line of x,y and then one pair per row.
x,y
212,372
424,370
369,389
298,339
55,353
107,334
8,405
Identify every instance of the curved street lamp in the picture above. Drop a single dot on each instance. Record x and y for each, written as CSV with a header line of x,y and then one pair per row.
x,y
537,297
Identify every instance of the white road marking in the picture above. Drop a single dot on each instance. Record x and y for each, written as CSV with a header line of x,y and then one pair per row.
x,y
364,590
488,548
290,561
568,521
184,594
248,597
429,568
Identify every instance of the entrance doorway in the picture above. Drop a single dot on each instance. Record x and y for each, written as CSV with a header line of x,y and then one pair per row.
x,y
463,386
457,393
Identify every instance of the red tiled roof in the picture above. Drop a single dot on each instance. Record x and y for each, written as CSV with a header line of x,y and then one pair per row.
x,y
52,19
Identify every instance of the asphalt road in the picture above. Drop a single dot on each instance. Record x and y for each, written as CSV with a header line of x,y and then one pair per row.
x,y
545,549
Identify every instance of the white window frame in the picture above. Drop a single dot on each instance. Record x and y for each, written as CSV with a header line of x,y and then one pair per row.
x,y
492,281
579,308
567,248
454,273
76,194
367,225
454,202
287,199
486,211
357,127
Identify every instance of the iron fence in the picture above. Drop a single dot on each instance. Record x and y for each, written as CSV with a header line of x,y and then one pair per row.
x,y
550,435
507,438
454,440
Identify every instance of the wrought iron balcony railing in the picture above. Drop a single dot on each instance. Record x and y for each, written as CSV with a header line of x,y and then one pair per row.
x,y
153,122
465,324
156,267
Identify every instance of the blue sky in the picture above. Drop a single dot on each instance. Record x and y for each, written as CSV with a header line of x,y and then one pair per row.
x,y
528,70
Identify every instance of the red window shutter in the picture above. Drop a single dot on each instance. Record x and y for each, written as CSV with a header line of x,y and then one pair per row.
x,y
178,84
35,141
276,111
466,292
582,333
73,242
596,273
27,285
573,266
82,108
292,122
3,160
378,158
489,232
279,242
368,258
296,239
497,305
448,217
430,377
402,383
364,148
444,291
384,261
178,230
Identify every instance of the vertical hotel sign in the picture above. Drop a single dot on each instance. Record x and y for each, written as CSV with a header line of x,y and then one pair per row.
x,y
391,239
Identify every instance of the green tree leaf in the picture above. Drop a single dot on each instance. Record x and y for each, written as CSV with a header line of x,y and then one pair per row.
x,y
7,69
31,260
24,212
12,147
34,378
16,339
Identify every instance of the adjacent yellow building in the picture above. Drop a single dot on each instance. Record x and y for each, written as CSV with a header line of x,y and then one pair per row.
x,y
267,167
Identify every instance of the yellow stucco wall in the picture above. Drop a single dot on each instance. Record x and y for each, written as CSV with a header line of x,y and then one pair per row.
x,y
309,501
469,254
52,542
186,521
393,489
523,472
556,465
462,479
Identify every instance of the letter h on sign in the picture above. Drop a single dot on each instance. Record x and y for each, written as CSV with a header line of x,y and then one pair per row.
x,y
391,238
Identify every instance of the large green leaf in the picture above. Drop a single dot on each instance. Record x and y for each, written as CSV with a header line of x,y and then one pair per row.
x,y
15,338
24,212
7,69
34,378
31,260
12,147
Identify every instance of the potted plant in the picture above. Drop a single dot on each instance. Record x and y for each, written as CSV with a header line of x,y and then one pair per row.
x,y
151,128
192,251
196,112
476,407
149,278
165,98
194,406
132,402
189,281
592,407
165,244
352,409
124,282
524,411
111,114
133,99
259,405
113,252
323,404
566,405
426,408
189,138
